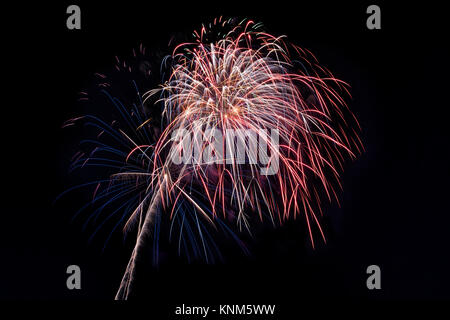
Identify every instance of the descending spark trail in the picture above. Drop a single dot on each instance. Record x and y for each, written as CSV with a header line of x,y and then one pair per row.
x,y
241,79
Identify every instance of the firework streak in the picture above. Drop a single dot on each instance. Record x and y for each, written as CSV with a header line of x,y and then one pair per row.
x,y
290,134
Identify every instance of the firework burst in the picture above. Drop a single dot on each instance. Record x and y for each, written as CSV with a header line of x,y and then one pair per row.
x,y
236,78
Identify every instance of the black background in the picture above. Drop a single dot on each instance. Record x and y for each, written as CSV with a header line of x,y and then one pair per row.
x,y
394,210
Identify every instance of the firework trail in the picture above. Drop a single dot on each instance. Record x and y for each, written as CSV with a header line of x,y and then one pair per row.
x,y
232,76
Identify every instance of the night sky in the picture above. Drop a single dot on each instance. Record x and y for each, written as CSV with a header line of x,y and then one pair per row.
x,y
394,205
